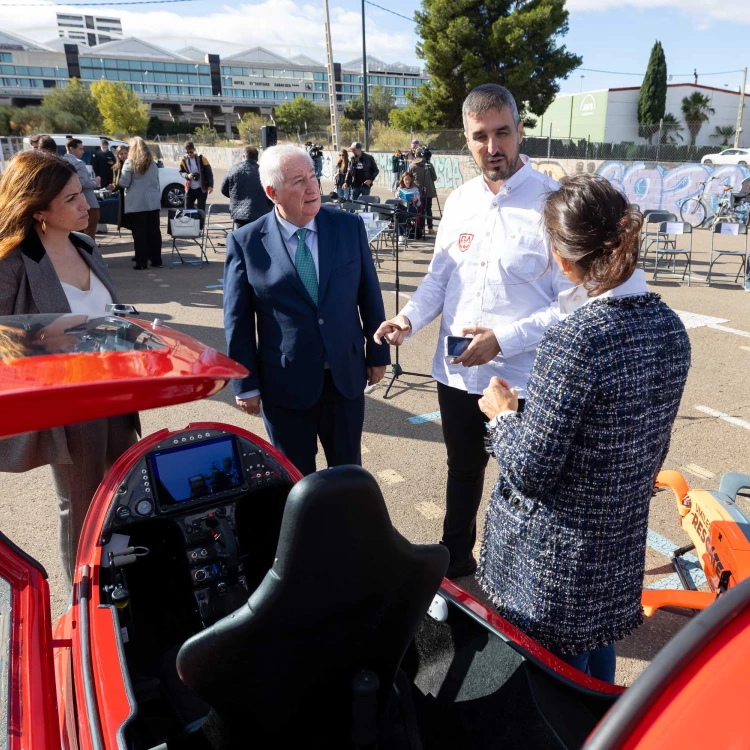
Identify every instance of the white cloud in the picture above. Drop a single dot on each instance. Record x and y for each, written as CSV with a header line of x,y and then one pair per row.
x,y
713,9
281,25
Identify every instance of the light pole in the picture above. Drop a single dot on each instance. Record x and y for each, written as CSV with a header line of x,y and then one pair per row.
x,y
364,80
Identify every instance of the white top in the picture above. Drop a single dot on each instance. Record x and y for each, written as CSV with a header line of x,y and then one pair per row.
x,y
290,239
572,299
91,303
492,268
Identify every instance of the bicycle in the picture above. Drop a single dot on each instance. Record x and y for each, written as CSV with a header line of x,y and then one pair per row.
x,y
695,210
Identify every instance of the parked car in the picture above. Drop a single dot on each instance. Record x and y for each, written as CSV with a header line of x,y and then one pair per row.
x,y
170,181
729,156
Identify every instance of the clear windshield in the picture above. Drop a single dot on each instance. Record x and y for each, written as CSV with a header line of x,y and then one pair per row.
x,y
35,335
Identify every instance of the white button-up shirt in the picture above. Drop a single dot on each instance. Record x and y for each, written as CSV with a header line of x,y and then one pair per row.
x,y
492,268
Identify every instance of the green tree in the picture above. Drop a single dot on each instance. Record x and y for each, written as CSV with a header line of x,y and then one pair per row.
x,y
250,126
207,135
354,109
23,120
671,130
124,113
379,104
725,133
78,100
466,43
652,99
696,109
5,115
155,127
300,115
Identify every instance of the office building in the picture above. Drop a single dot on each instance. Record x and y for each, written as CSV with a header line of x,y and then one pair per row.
x,y
88,30
191,84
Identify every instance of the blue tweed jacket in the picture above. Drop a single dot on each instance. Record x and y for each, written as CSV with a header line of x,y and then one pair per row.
x,y
564,543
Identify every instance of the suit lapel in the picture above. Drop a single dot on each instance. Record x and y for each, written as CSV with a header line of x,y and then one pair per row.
x,y
276,248
327,249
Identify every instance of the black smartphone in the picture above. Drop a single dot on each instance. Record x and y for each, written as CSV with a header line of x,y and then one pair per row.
x,y
455,346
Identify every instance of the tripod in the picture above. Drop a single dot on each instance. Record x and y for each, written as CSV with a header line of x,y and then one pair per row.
x,y
396,370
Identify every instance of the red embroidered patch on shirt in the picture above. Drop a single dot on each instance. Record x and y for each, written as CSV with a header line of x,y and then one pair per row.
x,y
464,242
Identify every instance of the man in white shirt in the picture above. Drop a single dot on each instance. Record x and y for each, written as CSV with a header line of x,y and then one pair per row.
x,y
492,278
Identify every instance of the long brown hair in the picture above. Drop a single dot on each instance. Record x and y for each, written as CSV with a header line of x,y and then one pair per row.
x,y
344,157
140,155
591,223
403,176
31,182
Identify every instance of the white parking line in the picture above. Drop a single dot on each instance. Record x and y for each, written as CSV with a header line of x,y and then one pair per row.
x,y
430,510
727,329
699,471
726,417
389,476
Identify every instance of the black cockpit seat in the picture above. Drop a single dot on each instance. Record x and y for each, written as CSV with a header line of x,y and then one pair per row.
x,y
346,592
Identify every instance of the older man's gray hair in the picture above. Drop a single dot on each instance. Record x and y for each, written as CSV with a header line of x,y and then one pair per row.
x,y
274,159
486,97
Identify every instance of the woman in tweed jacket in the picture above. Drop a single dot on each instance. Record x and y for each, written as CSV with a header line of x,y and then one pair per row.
x,y
564,543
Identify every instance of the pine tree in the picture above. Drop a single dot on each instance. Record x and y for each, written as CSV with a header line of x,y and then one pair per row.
x,y
652,100
466,43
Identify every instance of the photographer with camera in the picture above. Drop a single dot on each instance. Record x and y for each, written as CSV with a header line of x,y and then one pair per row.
x,y
198,175
424,177
316,154
362,172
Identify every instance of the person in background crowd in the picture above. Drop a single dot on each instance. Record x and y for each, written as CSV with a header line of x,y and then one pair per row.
x,y
362,172
34,141
396,161
316,154
340,172
102,161
565,534
408,192
491,279
413,152
424,178
121,156
247,198
199,177
75,156
48,266
140,179
47,143
302,283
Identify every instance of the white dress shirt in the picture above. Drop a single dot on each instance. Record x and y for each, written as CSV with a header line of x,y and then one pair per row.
x,y
290,240
572,299
492,268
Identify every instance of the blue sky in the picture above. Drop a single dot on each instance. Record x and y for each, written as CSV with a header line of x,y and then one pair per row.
x,y
610,35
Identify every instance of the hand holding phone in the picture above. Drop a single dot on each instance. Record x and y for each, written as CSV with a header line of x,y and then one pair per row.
x,y
455,346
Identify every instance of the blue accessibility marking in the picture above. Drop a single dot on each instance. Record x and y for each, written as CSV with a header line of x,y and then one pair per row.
x,y
220,285
688,561
422,418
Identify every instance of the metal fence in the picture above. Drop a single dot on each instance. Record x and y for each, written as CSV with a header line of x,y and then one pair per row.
x,y
9,145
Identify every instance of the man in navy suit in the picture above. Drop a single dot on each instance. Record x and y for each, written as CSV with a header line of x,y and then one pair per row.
x,y
301,305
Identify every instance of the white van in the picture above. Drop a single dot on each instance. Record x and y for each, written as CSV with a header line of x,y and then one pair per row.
x,y
170,181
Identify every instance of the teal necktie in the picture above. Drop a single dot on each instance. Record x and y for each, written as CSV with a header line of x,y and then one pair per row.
x,y
306,266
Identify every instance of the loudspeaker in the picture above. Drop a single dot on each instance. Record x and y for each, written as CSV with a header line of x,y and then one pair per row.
x,y
268,136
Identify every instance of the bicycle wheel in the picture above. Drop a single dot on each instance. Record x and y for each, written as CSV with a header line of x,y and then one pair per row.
x,y
693,212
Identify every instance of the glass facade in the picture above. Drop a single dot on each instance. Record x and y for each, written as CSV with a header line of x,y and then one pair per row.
x,y
227,70
31,76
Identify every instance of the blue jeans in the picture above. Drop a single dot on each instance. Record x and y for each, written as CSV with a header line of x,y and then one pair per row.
x,y
357,191
599,664
343,193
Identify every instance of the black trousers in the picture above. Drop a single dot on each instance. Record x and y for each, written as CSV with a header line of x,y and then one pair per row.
x,y
464,431
336,420
427,211
196,194
146,237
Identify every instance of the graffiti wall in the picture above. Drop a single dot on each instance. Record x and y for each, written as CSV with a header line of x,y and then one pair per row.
x,y
648,184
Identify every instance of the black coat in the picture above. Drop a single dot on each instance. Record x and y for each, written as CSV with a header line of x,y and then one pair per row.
x,y
102,163
361,169
247,198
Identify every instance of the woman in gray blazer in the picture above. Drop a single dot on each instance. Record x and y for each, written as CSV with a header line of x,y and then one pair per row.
x,y
140,178
48,266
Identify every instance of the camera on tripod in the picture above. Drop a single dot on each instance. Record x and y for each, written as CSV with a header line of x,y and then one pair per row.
x,y
426,153
314,150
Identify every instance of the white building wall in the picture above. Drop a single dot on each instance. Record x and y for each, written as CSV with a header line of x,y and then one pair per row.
x,y
622,116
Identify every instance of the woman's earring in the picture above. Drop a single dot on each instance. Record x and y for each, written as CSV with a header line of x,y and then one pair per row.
x,y
44,227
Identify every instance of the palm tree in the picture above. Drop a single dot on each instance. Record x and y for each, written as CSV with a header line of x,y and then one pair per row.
x,y
670,129
695,109
725,133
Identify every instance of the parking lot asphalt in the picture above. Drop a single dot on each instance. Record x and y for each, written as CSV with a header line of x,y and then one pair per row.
x,y
403,442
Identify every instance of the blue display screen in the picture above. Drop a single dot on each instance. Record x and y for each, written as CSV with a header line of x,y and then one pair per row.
x,y
191,472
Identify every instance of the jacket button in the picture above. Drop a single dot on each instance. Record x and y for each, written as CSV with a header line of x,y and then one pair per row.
x,y
507,493
320,321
